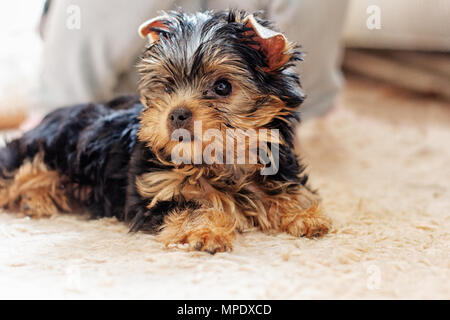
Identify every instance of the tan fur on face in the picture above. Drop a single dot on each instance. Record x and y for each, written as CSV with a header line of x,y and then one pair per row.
x,y
155,130
34,190
246,108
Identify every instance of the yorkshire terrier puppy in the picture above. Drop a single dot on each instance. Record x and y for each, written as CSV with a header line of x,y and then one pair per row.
x,y
227,71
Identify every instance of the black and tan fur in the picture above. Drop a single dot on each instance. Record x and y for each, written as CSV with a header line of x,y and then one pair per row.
x,y
114,158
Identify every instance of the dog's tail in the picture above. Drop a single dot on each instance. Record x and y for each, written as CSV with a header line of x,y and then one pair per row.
x,y
6,159
9,163
9,159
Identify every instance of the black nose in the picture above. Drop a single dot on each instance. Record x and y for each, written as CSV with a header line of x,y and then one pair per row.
x,y
180,117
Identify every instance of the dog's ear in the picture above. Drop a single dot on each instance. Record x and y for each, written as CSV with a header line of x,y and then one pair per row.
x,y
274,45
154,28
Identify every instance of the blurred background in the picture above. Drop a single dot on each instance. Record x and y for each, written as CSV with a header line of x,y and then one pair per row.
x,y
59,52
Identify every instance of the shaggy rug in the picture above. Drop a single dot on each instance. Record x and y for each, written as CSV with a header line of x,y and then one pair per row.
x,y
381,163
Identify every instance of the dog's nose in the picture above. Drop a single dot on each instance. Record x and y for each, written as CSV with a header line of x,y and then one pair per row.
x,y
180,117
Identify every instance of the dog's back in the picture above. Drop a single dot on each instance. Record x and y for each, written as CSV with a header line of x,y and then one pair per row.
x,y
87,144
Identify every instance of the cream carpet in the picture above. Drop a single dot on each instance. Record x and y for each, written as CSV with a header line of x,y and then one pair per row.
x,y
382,165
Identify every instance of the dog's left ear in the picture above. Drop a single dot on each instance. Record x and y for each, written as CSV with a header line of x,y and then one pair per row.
x,y
154,28
274,45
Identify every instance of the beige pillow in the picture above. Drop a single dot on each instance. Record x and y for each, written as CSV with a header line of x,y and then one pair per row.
x,y
404,24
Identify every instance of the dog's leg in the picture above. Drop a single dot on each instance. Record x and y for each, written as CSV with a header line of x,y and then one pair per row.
x,y
298,214
204,229
34,190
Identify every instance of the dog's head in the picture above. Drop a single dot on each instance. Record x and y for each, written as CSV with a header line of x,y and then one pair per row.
x,y
225,70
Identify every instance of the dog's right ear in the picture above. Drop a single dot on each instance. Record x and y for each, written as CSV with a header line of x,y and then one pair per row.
x,y
154,28
274,46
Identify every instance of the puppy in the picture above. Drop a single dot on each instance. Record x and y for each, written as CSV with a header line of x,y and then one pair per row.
x,y
228,73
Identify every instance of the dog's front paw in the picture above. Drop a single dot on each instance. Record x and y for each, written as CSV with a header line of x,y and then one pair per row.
x,y
209,241
201,230
309,226
200,240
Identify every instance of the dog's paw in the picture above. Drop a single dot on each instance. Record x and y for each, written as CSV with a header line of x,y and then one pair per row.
x,y
35,206
209,241
200,240
40,204
310,226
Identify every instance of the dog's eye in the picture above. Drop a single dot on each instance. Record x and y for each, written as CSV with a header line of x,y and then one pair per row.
x,y
223,88
168,89
169,85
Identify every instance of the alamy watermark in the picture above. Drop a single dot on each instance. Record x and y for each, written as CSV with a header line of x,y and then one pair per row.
x,y
373,281
373,22
73,21
234,147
